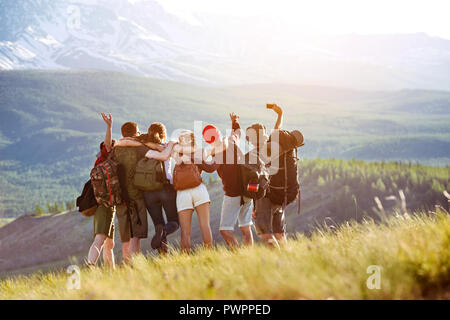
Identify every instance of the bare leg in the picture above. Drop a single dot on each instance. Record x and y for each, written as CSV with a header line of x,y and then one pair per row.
x,y
281,238
270,240
135,246
126,251
229,238
185,219
108,253
96,247
205,227
247,235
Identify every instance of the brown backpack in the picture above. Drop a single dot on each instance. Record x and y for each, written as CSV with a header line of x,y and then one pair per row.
x,y
186,176
105,181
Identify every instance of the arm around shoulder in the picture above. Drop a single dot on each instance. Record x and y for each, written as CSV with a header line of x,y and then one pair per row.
x,y
159,154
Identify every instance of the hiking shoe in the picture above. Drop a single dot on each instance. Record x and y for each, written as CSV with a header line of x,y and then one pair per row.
x,y
164,248
159,233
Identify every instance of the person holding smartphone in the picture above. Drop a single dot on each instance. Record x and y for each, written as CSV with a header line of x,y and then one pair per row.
x,y
269,218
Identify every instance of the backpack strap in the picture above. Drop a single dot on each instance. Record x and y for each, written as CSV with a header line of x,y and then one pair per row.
x,y
299,196
166,181
285,182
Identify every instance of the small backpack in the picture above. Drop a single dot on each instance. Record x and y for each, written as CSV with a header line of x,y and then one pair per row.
x,y
186,176
254,179
149,175
86,202
105,181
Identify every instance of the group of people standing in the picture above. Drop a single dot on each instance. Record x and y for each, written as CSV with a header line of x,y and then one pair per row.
x,y
178,198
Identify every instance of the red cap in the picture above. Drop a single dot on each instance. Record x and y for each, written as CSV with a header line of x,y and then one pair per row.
x,y
211,133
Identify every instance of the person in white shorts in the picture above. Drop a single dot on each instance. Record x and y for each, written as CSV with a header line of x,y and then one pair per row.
x,y
232,212
233,208
192,199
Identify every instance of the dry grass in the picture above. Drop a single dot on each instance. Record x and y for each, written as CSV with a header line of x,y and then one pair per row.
x,y
412,250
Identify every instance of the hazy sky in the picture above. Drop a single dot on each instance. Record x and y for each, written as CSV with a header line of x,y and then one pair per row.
x,y
335,16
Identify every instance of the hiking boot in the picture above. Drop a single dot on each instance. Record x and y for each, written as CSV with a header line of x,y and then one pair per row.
x,y
159,233
164,248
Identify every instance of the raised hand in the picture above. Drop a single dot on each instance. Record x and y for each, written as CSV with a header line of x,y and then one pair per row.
x,y
233,116
277,109
108,119
279,112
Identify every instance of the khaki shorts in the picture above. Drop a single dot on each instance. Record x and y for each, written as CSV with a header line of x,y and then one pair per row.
x,y
104,221
133,223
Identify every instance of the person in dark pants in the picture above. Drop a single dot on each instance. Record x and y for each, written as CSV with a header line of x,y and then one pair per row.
x,y
155,202
165,199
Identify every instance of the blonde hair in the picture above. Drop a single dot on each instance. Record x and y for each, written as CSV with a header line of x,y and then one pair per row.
x,y
185,133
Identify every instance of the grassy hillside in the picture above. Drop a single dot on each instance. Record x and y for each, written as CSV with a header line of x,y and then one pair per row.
x,y
333,193
50,127
411,250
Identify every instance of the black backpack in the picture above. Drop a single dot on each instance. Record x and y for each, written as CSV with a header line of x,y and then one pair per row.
x,y
254,178
86,202
284,186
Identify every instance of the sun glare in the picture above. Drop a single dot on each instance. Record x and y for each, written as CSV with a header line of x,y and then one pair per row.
x,y
331,16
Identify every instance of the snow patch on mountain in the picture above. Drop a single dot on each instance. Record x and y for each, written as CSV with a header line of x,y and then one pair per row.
x,y
142,38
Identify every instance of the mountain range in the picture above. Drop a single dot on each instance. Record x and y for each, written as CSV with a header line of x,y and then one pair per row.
x,y
141,38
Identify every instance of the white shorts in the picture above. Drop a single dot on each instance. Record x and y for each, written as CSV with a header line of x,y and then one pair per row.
x,y
192,198
233,211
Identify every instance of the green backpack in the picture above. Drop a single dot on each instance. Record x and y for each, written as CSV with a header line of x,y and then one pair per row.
x,y
149,175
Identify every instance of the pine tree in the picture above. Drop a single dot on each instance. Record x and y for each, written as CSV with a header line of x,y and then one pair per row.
x,y
38,211
70,205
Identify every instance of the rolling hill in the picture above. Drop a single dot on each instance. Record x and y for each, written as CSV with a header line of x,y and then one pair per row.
x,y
50,127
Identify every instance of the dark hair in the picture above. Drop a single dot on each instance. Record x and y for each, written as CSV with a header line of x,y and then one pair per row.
x,y
129,129
157,132
257,127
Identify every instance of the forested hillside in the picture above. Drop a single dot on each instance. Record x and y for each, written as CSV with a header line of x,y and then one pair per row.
x,y
50,126
343,190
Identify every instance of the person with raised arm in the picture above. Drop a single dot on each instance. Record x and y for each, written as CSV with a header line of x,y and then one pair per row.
x,y
132,216
103,217
235,207
269,217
